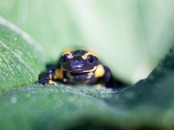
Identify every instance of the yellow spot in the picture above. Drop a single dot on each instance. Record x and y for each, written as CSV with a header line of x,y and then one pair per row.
x,y
100,71
88,53
86,82
52,82
70,80
99,86
90,74
64,80
68,51
50,76
69,75
58,74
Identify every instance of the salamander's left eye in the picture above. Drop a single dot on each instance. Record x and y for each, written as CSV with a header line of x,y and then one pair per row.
x,y
90,59
65,57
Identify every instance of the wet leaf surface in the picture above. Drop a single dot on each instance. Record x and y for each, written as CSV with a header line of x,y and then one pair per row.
x,y
149,104
20,57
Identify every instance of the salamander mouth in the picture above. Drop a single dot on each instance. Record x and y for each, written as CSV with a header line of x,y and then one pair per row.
x,y
76,71
79,70
79,76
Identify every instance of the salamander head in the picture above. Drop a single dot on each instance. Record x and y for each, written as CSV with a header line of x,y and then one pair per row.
x,y
79,61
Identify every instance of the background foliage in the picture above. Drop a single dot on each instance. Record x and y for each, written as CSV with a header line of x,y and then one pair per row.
x,y
131,37
20,60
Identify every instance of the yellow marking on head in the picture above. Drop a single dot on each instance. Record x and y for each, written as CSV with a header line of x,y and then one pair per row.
x,y
68,51
88,53
58,74
100,71
90,50
52,82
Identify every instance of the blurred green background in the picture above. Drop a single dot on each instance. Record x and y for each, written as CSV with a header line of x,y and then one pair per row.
x,y
130,36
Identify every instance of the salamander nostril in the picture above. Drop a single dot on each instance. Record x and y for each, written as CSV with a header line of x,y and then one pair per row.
x,y
76,64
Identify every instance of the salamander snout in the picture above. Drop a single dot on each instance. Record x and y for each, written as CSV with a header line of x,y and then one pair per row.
x,y
76,64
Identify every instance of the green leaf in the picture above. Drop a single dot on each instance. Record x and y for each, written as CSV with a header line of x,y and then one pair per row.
x,y
50,107
147,104
56,24
21,59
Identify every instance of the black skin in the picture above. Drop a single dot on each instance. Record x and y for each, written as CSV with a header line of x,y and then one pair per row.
x,y
79,67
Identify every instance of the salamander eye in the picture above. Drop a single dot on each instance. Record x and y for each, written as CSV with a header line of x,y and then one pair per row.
x,y
65,57
90,59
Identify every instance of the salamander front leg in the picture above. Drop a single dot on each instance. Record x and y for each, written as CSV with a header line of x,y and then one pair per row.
x,y
46,78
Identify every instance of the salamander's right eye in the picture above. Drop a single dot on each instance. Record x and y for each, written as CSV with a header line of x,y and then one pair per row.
x,y
66,57
90,58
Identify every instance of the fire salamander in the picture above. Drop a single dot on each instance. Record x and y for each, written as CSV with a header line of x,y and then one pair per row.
x,y
79,67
